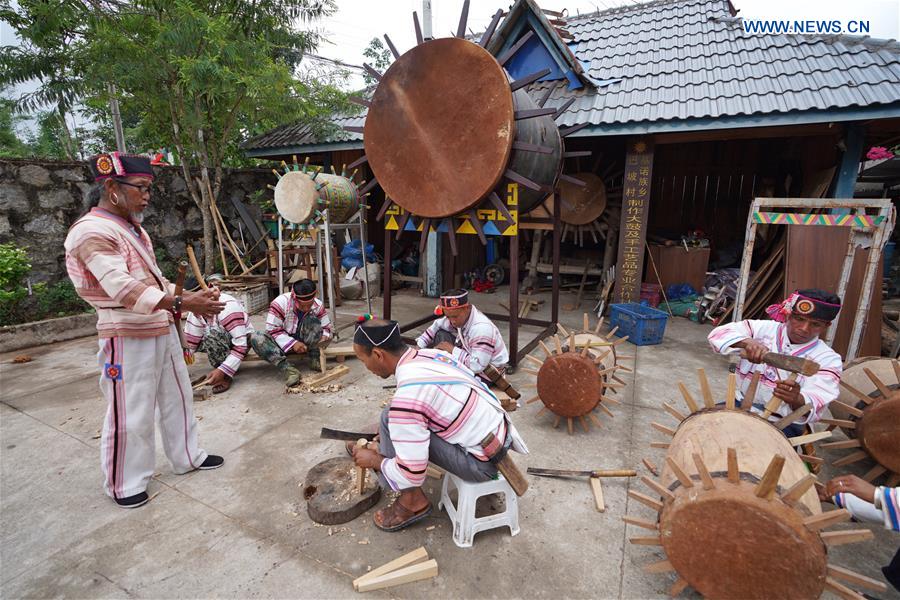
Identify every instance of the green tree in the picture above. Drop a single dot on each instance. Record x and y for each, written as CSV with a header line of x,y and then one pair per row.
x,y
11,146
47,141
378,57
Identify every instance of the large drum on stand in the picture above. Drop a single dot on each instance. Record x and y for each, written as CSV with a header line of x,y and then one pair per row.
x,y
300,197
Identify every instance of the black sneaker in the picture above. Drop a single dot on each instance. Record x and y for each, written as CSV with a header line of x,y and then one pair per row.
x,y
212,462
133,501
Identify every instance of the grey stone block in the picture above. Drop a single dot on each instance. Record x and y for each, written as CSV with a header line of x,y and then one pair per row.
x,y
34,175
13,198
45,225
56,198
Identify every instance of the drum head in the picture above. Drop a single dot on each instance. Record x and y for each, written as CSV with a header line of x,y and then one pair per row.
x,y
296,197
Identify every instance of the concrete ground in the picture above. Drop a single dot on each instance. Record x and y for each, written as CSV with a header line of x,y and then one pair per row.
x,y
242,531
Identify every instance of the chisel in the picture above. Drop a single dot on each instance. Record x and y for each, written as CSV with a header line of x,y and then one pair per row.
x,y
568,473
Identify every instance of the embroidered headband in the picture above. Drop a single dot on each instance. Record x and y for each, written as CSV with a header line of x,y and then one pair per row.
x,y
454,299
373,336
303,290
114,164
799,304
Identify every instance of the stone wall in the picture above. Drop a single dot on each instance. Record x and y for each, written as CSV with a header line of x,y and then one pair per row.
x,y
40,200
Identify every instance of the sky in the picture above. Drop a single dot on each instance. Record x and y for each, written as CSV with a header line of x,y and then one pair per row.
x,y
356,22
350,29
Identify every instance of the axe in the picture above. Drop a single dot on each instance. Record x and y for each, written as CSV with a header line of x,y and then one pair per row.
x,y
797,366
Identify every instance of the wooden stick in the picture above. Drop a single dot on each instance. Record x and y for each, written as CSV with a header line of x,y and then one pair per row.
x,y
663,429
839,423
796,491
841,590
585,322
809,438
679,586
874,473
532,400
650,540
534,359
195,267
705,477
750,396
842,444
732,388
558,344
734,476
846,536
528,370
584,424
852,577
688,399
597,422
766,487
771,406
650,466
416,556
646,500
674,412
827,519
813,460
663,566
408,574
851,458
545,348
598,494
562,330
556,422
682,476
361,471
571,425
865,398
882,388
661,445
641,523
793,416
658,488
847,408
704,389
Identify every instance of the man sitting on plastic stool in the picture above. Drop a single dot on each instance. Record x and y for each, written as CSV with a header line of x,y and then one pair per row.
x,y
440,413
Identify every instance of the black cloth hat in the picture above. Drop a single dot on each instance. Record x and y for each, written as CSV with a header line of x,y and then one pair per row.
x,y
114,164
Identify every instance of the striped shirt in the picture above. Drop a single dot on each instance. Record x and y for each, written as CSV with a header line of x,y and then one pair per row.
x,y
284,319
817,390
478,342
233,319
886,507
112,266
435,394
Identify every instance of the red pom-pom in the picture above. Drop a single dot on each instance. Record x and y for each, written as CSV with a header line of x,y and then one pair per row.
x,y
438,311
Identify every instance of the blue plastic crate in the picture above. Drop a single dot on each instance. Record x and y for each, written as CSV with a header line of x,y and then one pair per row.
x,y
643,325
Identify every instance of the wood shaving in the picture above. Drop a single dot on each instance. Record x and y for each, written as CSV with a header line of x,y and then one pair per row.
x,y
21,359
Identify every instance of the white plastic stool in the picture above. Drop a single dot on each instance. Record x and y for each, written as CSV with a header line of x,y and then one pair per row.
x,y
465,524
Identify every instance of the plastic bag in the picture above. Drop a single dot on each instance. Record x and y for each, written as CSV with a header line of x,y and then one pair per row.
x,y
679,290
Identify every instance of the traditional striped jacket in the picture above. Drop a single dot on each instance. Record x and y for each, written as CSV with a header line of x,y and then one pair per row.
x,y
233,319
283,320
435,394
818,389
478,342
113,268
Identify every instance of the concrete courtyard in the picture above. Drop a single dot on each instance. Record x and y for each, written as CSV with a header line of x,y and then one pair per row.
x,y
242,531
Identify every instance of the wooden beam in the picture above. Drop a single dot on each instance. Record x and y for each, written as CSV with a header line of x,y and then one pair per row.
x,y
787,131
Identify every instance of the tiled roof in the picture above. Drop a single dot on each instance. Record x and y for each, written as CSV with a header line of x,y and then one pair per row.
x,y
676,60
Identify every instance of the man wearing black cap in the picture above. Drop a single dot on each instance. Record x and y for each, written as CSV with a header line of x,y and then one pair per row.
x,y
796,328
111,263
467,334
440,413
297,323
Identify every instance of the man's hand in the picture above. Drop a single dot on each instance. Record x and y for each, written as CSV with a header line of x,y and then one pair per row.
x,y
363,457
299,348
789,393
752,350
216,377
446,347
851,484
203,303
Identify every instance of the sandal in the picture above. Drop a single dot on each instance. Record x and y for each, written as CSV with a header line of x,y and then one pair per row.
x,y
222,387
399,517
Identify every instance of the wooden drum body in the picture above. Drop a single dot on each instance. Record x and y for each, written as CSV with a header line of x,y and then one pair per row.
x,y
300,196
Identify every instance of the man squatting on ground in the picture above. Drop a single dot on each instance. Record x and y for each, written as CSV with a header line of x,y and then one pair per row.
x,y
440,413
467,334
223,338
111,263
795,329
297,323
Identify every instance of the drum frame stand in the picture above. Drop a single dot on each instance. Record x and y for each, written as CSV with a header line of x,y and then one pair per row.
x,y
324,247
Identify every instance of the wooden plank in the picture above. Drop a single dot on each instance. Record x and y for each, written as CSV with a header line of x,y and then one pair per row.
x,y
704,389
646,500
650,540
809,438
793,416
598,494
663,429
416,556
688,399
841,590
843,444
408,574
336,372
658,488
641,523
682,476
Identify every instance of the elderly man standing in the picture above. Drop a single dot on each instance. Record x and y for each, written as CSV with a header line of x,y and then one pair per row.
x,y
110,261
467,334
